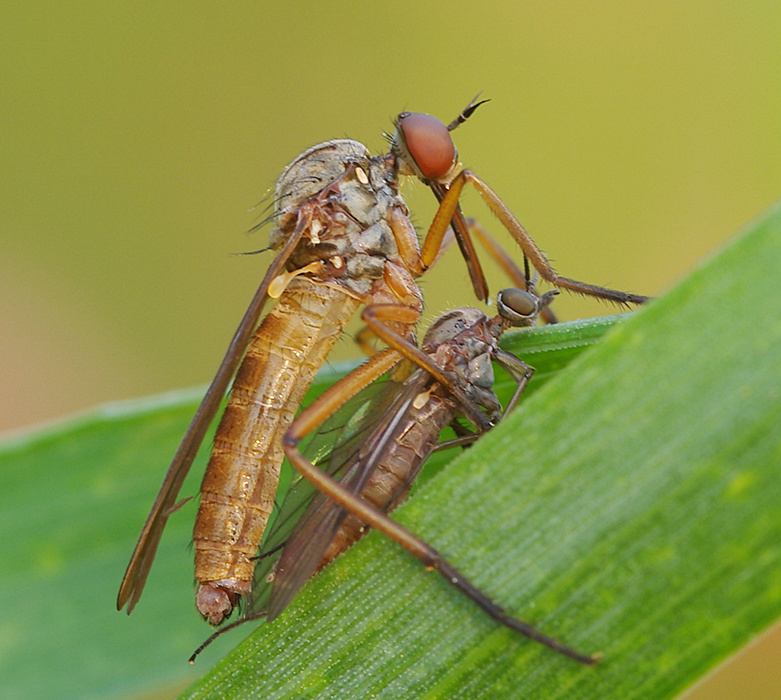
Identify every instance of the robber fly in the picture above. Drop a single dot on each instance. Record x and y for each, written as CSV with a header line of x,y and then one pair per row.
x,y
345,240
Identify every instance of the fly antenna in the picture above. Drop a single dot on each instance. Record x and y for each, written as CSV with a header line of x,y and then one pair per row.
x,y
466,112
527,272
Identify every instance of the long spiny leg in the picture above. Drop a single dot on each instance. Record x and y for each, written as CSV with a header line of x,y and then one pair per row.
x,y
449,205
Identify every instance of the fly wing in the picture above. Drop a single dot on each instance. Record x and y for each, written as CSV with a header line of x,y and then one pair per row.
x,y
310,540
352,463
342,434
141,561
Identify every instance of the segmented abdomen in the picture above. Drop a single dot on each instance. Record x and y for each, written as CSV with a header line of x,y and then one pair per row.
x,y
240,483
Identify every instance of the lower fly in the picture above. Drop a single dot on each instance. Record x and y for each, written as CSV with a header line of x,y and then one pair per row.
x,y
454,377
378,457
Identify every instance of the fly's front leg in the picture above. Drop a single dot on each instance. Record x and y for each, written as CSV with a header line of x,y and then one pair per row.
x,y
449,205
461,441
337,395
364,339
420,260
502,258
460,228
519,371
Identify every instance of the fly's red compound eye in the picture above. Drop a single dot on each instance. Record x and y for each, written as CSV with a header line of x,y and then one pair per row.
x,y
429,144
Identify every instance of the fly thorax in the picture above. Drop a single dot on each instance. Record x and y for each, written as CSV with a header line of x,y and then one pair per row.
x,y
323,239
320,180
446,358
315,169
364,267
357,198
387,193
376,240
448,326
365,253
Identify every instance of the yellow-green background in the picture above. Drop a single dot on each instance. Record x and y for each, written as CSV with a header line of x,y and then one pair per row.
x,y
630,138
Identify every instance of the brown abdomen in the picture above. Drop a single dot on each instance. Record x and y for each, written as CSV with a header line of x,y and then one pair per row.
x,y
390,483
241,479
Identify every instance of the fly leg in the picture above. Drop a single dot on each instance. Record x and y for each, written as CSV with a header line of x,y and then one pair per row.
x,y
507,264
420,260
464,437
429,556
376,318
449,207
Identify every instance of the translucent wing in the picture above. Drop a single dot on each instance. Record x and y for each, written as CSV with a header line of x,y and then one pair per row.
x,y
144,553
308,520
342,434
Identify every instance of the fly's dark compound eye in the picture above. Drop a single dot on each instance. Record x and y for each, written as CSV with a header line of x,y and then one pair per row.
x,y
517,306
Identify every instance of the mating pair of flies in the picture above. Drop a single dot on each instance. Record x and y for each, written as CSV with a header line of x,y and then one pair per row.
x,y
345,240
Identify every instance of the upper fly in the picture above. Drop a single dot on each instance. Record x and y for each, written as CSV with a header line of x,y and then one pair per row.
x,y
344,239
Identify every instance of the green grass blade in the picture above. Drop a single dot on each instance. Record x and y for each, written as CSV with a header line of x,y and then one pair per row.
x,y
72,502
630,507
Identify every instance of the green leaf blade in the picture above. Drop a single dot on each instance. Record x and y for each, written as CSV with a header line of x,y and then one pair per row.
x,y
74,496
629,507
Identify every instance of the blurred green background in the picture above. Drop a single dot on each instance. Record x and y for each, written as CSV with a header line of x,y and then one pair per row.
x,y
631,139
